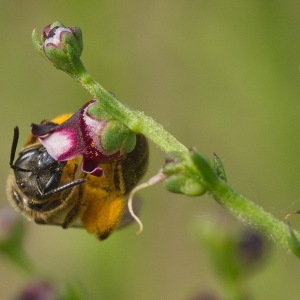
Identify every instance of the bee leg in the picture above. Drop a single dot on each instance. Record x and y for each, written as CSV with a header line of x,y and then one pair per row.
x,y
75,211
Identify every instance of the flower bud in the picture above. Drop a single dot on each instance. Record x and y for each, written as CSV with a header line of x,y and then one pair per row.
x,y
38,290
62,46
205,296
182,176
251,247
12,230
235,251
9,222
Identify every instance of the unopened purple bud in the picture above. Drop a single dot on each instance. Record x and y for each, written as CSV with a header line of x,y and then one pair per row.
x,y
9,220
38,290
205,296
251,247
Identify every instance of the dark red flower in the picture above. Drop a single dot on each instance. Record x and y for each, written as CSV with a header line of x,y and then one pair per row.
x,y
79,135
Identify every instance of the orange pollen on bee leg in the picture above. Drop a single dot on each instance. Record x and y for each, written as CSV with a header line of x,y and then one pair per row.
x,y
103,215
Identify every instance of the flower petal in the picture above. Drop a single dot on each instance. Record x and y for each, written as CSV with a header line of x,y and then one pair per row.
x,y
61,144
43,129
89,166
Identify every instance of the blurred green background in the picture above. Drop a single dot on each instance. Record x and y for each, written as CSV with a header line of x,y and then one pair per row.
x,y
219,75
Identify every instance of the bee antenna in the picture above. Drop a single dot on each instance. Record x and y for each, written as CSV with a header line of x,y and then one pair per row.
x,y
14,146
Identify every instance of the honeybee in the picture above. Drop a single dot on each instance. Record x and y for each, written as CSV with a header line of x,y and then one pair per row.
x,y
59,193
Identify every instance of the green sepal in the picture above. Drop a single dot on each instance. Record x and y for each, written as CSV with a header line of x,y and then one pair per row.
x,y
293,241
205,171
116,136
36,43
181,185
219,167
98,112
